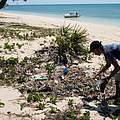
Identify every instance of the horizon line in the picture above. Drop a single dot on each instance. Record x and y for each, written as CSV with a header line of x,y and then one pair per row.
x,y
66,4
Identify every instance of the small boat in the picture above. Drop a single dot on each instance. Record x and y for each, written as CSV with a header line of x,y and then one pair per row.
x,y
71,15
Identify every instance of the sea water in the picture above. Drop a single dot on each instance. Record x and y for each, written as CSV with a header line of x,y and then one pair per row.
x,y
97,13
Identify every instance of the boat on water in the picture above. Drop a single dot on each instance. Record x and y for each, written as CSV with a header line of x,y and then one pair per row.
x,y
71,15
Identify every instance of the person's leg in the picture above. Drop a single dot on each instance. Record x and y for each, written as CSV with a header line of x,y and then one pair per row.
x,y
117,83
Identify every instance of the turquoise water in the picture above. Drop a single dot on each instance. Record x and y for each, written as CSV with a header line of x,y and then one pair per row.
x,y
98,13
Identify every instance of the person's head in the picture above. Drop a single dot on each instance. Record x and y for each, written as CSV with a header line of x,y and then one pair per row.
x,y
96,47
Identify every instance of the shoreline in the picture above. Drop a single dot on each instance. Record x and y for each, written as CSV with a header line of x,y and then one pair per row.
x,y
104,33
88,19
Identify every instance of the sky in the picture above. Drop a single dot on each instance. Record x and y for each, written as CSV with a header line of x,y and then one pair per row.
x,y
63,2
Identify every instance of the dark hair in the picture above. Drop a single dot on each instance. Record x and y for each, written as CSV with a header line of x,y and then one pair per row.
x,y
95,45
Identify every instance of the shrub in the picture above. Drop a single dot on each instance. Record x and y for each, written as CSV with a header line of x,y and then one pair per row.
x,y
8,46
70,103
21,79
86,116
50,69
41,106
53,110
53,99
72,114
12,61
35,97
71,40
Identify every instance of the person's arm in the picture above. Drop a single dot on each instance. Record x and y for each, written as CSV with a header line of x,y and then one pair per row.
x,y
108,64
116,69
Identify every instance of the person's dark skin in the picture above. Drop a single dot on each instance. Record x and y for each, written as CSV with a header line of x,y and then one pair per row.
x,y
100,51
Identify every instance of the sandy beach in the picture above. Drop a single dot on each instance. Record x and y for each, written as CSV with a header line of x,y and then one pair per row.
x,y
104,33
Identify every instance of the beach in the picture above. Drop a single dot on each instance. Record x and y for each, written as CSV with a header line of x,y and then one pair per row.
x,y
105,33
102,32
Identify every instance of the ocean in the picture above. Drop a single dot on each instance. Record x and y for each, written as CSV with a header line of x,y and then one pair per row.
x,y
96,13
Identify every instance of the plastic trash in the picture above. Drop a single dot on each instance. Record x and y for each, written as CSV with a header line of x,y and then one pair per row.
x,y
41,78
75,76
45,88
103,107
65,70
101,84
98,84
62,77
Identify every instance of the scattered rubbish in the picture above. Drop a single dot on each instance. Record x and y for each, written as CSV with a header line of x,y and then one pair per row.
x,y
103,107
75,62
98,83
101,84
37,70
39,77
45,88
75,75
62,77
65,70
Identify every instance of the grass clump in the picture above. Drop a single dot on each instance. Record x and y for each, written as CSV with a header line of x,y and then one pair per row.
x,y
53,110
53,99
86,116
35,97
50,69
22,79
8,46
2,104
41,106
12,61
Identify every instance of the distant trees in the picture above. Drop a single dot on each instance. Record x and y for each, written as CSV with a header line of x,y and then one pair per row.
x,y
3,3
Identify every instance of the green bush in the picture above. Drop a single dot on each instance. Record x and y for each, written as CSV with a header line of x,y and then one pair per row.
x,y
21,79
50,69
70,103
41,106
71,40
72,114
12,61
35,97
53,99
8,46
86,116
53,110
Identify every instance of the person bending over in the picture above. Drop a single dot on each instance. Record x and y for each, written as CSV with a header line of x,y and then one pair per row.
x,y
111,53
